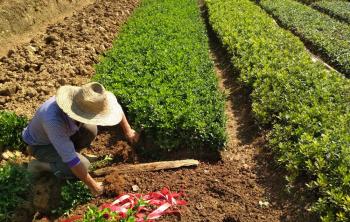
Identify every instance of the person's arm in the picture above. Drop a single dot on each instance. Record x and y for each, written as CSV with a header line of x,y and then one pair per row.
x,y
129,133
56,132
81,172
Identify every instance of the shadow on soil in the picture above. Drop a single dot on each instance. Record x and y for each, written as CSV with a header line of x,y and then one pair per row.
x,y
294,204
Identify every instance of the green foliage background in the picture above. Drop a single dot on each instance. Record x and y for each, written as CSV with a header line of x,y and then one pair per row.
x,y
338,9
306,106
73,193
14,186
11,127
327,35
160,70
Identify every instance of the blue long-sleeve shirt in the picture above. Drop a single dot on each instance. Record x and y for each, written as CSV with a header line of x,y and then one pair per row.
x,y
50,125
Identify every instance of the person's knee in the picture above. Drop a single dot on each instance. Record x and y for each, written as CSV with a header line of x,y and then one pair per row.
x,y
62,170
36,166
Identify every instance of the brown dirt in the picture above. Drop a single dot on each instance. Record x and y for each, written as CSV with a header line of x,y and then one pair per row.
x,y
65,54
43,197
20,20
110,141
46,193
114,184
245,185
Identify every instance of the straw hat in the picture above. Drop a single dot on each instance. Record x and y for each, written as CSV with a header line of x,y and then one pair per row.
x,y
90,104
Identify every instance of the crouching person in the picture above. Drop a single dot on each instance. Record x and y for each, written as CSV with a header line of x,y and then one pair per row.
x,y
65,124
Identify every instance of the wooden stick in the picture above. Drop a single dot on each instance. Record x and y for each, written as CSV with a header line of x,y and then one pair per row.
x,y
146,167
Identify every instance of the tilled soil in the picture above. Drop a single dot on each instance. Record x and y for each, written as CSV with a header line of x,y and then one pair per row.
x,y
244,185
20,20
65,54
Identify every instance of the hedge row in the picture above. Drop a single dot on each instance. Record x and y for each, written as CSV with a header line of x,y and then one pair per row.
x,y
338,9
11,127
329,37
160,70
306,106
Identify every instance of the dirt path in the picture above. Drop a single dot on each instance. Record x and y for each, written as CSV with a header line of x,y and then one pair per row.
x,y
65,54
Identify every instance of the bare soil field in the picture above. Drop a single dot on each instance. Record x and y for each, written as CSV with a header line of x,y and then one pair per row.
x,y
20,20
64,54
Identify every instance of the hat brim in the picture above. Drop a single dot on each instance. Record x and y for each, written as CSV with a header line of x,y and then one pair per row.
x,y
112,114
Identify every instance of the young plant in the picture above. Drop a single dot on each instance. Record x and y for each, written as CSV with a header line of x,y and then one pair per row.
x,y
11,127
97,215
72,195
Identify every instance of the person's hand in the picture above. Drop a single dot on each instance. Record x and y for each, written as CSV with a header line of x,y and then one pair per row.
x,y
132,136
97,189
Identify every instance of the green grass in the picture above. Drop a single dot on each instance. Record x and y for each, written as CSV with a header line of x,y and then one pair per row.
x,y
306,106
159,69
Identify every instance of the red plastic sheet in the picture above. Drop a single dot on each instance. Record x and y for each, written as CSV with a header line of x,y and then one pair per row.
x,y
157,204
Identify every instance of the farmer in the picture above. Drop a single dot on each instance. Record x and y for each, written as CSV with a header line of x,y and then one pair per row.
x,y
65,124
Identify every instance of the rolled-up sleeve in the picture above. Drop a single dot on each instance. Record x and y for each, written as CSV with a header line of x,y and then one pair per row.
x,y
56,132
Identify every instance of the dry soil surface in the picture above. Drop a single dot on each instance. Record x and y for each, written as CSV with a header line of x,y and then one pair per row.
x,y
20,20
65,54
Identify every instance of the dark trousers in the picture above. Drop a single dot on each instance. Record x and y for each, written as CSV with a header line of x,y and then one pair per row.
x,y
48,154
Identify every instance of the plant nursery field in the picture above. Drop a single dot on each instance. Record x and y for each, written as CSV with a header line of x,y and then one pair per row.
x,y
256,91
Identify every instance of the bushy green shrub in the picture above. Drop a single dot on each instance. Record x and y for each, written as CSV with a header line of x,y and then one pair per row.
x,y
328,37
14,187
73,193
307,106
11,127
338,9
100,215
159,68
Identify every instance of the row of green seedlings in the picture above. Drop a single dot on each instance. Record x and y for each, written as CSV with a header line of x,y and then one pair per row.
x,y
338,9
160,70
314,1
16,182
327,36
306,106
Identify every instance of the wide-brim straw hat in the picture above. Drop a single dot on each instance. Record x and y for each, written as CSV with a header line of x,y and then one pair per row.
x,y
90,104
